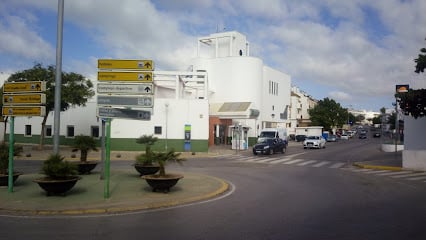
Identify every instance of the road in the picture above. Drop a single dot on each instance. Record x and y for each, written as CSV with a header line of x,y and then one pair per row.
x,y
269,200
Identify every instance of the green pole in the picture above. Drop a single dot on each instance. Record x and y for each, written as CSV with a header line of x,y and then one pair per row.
x,y
11,153
107,157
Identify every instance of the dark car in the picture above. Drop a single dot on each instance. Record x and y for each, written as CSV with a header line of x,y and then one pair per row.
x,y
362,136
270,146
300,138
376,134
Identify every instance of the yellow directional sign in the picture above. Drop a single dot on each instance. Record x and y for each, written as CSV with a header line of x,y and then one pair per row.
x,y
21,87
24,111
125,64
125,76
32,98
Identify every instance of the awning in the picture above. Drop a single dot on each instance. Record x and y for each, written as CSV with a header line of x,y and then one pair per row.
x,y
233,110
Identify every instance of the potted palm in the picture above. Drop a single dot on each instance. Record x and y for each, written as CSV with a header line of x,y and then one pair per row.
x,y
4,163
163,181
144,162
60,175
84,144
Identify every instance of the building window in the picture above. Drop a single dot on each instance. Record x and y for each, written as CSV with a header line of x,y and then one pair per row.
x,y
95,131
157,130
28,130
48,131
70,131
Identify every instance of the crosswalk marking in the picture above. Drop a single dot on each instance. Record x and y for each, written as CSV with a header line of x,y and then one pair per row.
x,y
393,173
269,159
378,171
337,165
410,175
294,161
306,163
280,161
362,170
320,164
417,178
291,159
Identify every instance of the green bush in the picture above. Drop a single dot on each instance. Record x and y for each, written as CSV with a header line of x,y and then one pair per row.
x,y
56,167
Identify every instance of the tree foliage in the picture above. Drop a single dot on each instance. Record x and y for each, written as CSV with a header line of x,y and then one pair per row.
x,y
76,90
413,102
328,113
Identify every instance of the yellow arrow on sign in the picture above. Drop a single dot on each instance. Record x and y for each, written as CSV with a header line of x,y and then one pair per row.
x,y
36,98
125,64
15,87
125,76
24,111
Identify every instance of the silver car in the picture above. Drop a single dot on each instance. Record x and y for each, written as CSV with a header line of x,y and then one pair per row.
x,y
314,142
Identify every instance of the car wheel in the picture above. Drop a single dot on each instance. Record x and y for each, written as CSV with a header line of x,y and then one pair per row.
x,y
283,150
269,152
254,152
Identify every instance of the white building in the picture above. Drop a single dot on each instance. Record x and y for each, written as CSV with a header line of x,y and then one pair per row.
x,y
226,89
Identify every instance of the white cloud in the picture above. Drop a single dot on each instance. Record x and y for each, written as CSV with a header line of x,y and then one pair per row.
x,y
340,96
18,38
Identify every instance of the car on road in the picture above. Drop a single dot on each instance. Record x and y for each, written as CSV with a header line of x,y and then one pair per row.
x,y
362,136
332,138
269,146
344,136
376,134
300,138
314,142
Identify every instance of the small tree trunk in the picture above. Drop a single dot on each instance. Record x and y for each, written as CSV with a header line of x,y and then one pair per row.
x,y
83,155
43,127
162,168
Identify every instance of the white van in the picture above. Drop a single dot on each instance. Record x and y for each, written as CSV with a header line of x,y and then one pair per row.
x,y
274,133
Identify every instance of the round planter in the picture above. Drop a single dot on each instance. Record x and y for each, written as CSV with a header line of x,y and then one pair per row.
x,y
4,178
57,186
162,183
146,170
86,167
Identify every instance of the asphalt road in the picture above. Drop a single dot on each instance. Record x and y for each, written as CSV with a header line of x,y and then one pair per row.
x,y
268,201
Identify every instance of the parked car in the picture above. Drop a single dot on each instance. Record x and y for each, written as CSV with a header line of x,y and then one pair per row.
x,y
269,146
332,138
314,142
300,138
344,136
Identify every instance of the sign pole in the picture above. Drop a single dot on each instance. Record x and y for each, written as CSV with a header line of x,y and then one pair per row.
x,y
11,153
107,158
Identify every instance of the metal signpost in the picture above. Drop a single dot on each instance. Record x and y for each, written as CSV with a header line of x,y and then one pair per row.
x,y
125,90
21,99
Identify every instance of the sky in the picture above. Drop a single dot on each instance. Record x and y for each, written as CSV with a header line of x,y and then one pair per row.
x,y
352,51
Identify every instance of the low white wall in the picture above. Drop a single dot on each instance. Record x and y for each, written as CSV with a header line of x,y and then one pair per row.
x,y
414,159
391,147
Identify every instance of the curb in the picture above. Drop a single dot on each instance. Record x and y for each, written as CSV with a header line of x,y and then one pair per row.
x,y
377,167
224,186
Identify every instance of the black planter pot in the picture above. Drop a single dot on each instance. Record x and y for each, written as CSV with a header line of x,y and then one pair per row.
x,y
86,167
4,178
57,186
162,183
146,170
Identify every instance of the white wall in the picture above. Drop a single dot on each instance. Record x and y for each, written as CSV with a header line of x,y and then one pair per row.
x,y
414,154
271,103
179,112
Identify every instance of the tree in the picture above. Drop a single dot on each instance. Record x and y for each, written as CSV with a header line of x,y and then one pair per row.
x,y
328,113
413,102
76,89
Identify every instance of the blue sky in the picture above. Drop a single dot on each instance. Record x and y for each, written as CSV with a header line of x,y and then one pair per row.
x,y
353,51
